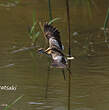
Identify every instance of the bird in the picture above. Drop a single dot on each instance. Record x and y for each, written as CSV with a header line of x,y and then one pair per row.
x,y
54,51
59,60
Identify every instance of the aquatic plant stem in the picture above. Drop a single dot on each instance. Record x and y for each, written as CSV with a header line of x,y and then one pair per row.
x,y
48,73
69,53
105,25
69,92
63,72
47,81
13,103
69,31
69,85
50,10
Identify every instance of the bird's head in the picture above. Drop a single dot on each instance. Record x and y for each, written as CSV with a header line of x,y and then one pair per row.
x,y
41,51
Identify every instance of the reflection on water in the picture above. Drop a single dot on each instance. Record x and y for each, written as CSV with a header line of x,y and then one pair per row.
x,y
29,71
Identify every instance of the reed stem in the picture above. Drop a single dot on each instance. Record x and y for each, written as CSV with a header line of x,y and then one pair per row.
x,y
69,53
69,93
69,31
50,10
48,73
69,86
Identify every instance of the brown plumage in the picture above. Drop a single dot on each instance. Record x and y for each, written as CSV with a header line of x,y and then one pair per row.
x,y
55,46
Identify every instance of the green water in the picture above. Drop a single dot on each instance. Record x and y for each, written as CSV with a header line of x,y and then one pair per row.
x,y
45,89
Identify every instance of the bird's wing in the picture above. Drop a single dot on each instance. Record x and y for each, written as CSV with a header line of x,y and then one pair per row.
x,y
53,36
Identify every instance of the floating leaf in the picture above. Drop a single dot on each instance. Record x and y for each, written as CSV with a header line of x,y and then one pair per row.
x,y
53,20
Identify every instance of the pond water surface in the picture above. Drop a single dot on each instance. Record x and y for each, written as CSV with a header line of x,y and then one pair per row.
x,y
44,88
